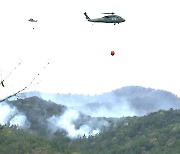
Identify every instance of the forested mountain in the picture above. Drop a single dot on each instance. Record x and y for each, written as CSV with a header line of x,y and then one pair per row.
x,y
48,118
126,120
37,111
157,132
126,101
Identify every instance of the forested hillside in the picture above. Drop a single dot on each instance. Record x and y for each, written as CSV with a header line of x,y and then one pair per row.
x,y
48,118
157,132
127,120
37,112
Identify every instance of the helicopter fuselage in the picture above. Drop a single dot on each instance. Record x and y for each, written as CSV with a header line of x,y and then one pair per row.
x,y
106,19
32,20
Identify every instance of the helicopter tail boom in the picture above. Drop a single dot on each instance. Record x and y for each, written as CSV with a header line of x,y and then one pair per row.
x,y
87,17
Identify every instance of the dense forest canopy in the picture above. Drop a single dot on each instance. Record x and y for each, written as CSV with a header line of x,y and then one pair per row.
x,y
34,125
158,132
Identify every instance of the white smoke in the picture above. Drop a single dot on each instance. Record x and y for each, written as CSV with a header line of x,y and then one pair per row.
x,y
107,108
106,105
124,102
66,122
20,120
127,101
11,116
6,113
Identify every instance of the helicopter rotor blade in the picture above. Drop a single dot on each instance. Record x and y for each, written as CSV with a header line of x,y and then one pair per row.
x,y
109,13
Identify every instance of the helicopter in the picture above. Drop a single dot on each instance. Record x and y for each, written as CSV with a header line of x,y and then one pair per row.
x,y
32,20
109,18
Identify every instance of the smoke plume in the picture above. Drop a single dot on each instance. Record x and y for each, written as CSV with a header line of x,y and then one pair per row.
x,y
67,122
9,115
89,115
127,101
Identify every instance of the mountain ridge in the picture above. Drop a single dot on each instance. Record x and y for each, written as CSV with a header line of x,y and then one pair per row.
x,y
79,114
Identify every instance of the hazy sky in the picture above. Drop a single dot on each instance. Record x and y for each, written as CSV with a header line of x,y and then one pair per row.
x,y
146,45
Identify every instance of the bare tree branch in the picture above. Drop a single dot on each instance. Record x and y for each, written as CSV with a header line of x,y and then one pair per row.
x,y
25,86
2,81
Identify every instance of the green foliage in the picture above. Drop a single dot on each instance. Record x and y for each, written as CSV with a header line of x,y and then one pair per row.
x,y
156,133
37,112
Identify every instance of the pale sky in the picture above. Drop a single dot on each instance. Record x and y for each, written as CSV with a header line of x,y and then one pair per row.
x,y
147,45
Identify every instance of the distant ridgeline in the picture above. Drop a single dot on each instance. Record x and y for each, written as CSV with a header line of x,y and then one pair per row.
x,y
78,115
126,101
